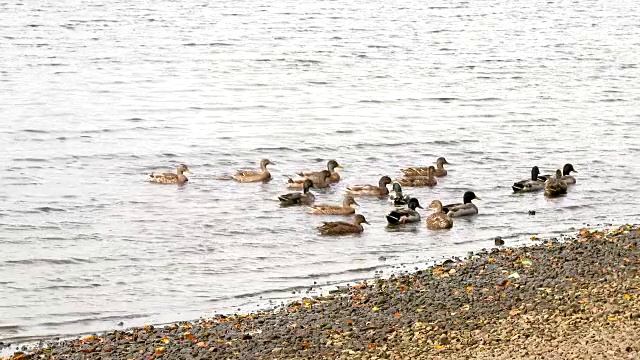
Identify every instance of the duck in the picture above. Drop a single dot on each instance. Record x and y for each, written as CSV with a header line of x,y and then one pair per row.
x,y
554,187
428,180
255,176
303,198
344,209
373,190
439,219
171,178
423,171
320,180
566,175
397,198
343,227
465,209
332,165
531,184
406,215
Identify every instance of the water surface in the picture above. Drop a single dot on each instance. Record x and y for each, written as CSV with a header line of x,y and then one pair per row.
x,y
95,94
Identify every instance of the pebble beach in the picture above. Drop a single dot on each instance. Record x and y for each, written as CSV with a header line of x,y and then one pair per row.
x,y
573,298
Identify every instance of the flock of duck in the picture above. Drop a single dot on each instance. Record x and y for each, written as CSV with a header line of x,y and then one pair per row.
x,y
404,206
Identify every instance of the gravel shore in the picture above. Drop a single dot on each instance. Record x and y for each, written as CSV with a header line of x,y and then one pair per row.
x,y
554,300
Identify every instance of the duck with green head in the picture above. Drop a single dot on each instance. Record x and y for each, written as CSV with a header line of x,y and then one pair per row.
x,y
531,184
406,215
171,178
371,190
343,227
466,208
397,197
304,198
255,176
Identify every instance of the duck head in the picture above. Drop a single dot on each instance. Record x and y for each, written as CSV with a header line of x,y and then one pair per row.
x,y
468,196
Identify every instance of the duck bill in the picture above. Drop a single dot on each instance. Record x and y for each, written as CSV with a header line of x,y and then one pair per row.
x,y
188,171
477,198
339,167
355,203
366,222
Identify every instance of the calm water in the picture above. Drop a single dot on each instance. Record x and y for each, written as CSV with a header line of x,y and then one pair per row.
x,y
95,94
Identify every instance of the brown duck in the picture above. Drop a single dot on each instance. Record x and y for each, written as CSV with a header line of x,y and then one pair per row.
x,y
343,227
320,180
428,180
345,209
171,178
438,220
332,165
423,171
254,176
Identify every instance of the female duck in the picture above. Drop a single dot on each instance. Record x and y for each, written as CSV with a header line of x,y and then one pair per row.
x,y
423,171
320,180
428,180
343,227
171,178
304,198
372,190
555,186
332,165
255,176
397,197
566,175
407,215
345,209
532,184
465,209
438,220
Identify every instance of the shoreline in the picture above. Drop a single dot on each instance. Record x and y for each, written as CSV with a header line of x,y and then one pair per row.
x,y
497,302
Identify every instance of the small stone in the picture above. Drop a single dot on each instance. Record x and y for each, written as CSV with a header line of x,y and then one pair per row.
x,y
498,241
532,212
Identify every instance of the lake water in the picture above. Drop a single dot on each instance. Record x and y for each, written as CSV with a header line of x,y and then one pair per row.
x,y
96,94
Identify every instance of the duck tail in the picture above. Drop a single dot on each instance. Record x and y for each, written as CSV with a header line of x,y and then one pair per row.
x,y
393,217
517,187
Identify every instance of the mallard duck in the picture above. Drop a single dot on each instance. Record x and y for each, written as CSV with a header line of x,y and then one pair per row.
x,y
438,220
428,180
566,175
320,180
424,171
397,197
532,184
171,178
254,176
332,165
555,186
345,209
303,198
379,190
343,227
465,209
407,215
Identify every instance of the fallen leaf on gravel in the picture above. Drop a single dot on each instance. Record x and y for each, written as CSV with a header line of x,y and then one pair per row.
x,y
627,296
375,308
202,344
398,314
372,346
515,275
526,262
514,312
165,340
490,260
159,350
612,319
190,337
